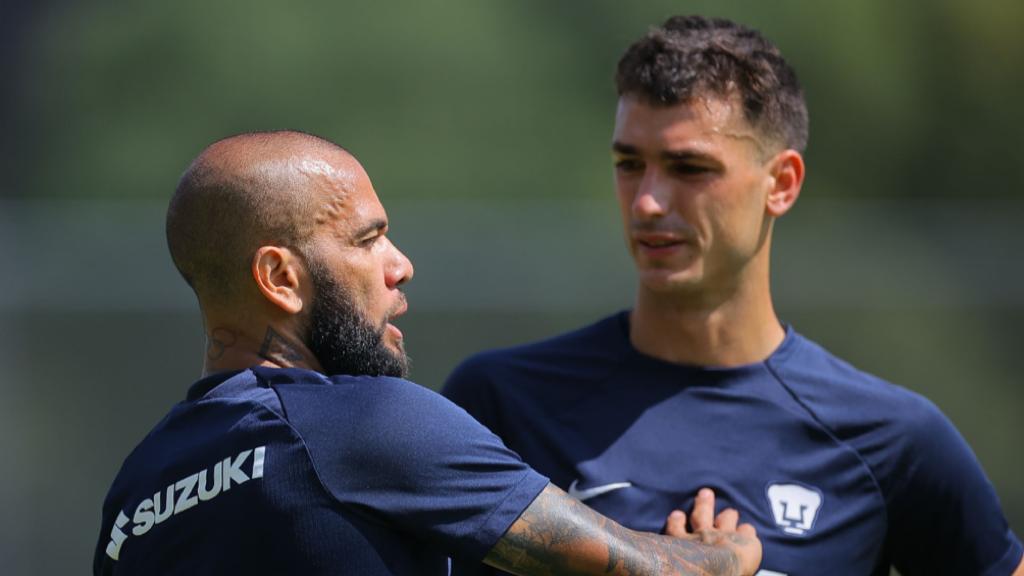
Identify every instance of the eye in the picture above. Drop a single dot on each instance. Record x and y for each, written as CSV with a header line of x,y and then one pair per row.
x,y
370,240
690,169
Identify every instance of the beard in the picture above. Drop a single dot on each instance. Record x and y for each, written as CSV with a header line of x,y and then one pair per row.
x,y
342,339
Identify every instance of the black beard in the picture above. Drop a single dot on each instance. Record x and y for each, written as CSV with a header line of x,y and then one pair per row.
x,y
342,340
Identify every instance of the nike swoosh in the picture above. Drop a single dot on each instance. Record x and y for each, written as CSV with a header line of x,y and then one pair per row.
x,y
588,493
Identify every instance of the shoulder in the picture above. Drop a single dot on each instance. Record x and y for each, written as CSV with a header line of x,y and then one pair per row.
x,y
235,405
227,416
889,426
343,401
357,414
558,370
840,394
930,481
379,431
408,456
582,353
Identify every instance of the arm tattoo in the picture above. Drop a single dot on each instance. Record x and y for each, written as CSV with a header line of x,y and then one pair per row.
x,y
279,349
558,535
220,339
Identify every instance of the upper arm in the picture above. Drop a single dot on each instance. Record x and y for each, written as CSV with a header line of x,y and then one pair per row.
x,y
413,460
945,517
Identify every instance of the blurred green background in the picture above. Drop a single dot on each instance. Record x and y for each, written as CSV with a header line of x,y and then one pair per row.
x,y
485,126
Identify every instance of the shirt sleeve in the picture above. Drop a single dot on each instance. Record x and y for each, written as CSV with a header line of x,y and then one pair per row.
x,y
945,517
413,459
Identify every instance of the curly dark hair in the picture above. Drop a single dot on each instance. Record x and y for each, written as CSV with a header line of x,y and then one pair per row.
x,y
691,56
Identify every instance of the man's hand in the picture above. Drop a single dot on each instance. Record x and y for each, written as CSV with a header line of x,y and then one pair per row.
x,y
723,529
558,535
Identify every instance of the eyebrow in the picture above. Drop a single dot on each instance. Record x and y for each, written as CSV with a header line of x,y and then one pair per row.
x,y
672,155
624,148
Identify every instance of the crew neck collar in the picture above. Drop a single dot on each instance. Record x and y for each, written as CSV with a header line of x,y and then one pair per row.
x,y
783,349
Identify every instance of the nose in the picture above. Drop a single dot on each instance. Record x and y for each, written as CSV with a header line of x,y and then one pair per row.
x,y
400,270
652,197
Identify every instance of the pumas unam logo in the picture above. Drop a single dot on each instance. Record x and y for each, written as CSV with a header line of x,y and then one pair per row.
x,y
795,507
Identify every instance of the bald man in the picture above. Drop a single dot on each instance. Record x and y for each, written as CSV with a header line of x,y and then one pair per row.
x,y
302,450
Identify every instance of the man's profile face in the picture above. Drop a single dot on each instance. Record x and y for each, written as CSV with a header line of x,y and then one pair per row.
x,y
692,185
356,272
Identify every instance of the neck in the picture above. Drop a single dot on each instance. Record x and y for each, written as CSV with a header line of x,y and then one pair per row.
x,y
725,328
233,348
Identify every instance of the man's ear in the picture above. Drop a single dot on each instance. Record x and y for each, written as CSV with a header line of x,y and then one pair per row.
x,y
787,170
277,272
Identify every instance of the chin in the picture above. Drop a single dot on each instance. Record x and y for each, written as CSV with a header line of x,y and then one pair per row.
x,y
669,281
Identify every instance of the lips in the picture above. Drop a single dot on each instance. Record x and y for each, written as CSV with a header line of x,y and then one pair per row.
x,y
401,308
395,332
659,244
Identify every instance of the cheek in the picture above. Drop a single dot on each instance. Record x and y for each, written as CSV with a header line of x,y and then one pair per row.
x,y
624,196
375,292
360,281
623,191
735,221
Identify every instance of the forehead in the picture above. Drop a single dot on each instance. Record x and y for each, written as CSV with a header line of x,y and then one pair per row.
x,y
701,122
342,195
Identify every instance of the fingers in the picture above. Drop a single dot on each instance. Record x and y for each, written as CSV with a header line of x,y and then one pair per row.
x,y
703,518
721,529
675,525
727,520
703,515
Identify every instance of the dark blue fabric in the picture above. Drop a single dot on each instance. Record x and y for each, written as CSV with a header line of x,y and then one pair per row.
x,y
891,479
347,475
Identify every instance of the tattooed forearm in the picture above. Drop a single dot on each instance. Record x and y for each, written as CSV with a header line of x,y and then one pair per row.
x,y
557,535
279,349
219,340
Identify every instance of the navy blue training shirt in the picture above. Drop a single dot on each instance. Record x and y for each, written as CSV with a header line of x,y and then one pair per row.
x,y
286,471
840,472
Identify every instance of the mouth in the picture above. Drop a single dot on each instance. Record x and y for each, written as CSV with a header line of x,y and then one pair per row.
x,y
400,309
659,244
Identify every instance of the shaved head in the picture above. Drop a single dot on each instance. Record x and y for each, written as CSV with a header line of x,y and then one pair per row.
x,y
247,191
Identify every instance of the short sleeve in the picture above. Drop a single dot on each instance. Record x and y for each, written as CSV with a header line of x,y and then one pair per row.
x,y
411,458
945,517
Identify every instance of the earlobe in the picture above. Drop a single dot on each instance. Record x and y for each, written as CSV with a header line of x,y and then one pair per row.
x,y
276,272
787,179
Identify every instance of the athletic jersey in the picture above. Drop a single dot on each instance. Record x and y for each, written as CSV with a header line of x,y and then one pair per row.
x,y
840,472
286,471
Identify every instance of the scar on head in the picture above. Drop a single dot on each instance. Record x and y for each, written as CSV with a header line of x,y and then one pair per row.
x,y
729,121
331,208
335,183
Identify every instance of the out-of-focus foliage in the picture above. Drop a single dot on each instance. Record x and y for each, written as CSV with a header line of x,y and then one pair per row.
x,y
469,98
